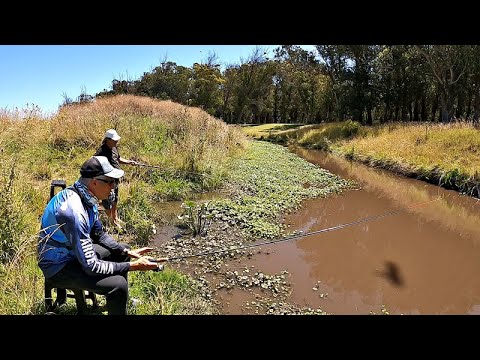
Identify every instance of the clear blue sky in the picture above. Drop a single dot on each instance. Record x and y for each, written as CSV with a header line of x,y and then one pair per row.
x,y
41,74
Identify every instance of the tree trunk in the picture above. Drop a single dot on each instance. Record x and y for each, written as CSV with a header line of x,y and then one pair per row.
x,y
369,116
403,113
459,113
386,116
447,109
415,111
476,101
469,106
240,115
423,111
434,109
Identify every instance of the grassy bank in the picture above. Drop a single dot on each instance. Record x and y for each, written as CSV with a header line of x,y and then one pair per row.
x,y
446,155
190,146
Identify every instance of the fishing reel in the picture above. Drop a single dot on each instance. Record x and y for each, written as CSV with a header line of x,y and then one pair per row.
x,y
160,267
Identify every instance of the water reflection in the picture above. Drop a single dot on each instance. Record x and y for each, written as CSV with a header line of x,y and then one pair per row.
x,y
453,211
425,260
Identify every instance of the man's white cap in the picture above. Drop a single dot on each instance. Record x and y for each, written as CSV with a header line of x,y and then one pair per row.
x,y
112,134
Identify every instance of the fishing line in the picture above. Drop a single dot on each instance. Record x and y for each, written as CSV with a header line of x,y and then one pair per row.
x,y
337,227
164,168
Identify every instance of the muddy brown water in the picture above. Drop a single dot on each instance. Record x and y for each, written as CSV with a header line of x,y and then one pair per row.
x,y
423,260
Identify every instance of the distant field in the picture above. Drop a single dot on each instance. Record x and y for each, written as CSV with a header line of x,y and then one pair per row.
x,y
446,154
257,131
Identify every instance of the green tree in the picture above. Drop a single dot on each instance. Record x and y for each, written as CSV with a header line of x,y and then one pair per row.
x,y
206,86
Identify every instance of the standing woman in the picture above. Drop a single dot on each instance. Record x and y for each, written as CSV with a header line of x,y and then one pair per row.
x,y
110,151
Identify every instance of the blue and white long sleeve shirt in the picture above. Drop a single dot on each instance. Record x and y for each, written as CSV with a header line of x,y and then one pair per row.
x,y
70,227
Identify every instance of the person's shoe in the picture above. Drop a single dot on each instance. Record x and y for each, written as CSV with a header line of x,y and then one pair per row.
x,y
135,302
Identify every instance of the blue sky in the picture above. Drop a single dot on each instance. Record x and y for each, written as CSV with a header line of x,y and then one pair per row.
x,y
41,74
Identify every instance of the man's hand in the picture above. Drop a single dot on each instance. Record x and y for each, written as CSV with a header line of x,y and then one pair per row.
x,y
143,263
138,253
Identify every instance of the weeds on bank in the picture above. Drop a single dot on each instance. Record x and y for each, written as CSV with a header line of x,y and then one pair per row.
x,y
137,212
195,216
10,216
443,146
269,181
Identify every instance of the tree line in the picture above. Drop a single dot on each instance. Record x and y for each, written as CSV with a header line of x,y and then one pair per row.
x,y
366,83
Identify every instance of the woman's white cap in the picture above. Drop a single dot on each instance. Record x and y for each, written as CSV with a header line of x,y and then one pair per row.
x,y
112,134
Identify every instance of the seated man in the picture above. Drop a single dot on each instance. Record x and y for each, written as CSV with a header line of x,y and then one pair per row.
x,y
73,250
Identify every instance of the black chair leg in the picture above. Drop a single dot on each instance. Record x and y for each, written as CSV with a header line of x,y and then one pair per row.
x,y
91,295
80,300
61,296
78,294
48,297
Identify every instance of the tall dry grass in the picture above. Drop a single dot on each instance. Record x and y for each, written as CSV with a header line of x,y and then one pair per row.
x,y
34,150
444,154
443,146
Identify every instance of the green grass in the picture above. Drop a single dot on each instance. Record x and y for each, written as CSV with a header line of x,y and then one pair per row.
x,y
167,293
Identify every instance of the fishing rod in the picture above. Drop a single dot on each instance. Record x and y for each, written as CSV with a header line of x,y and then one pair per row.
x,y
337,227
136,163
163,168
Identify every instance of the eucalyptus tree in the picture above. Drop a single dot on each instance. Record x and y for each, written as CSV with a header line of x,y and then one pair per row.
x,y
300,86
284,88
402,78
363,98
253,86
334,59
415,84
262,102
474,67
120,86
206,81
227,88
167,81
448,63
388,65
